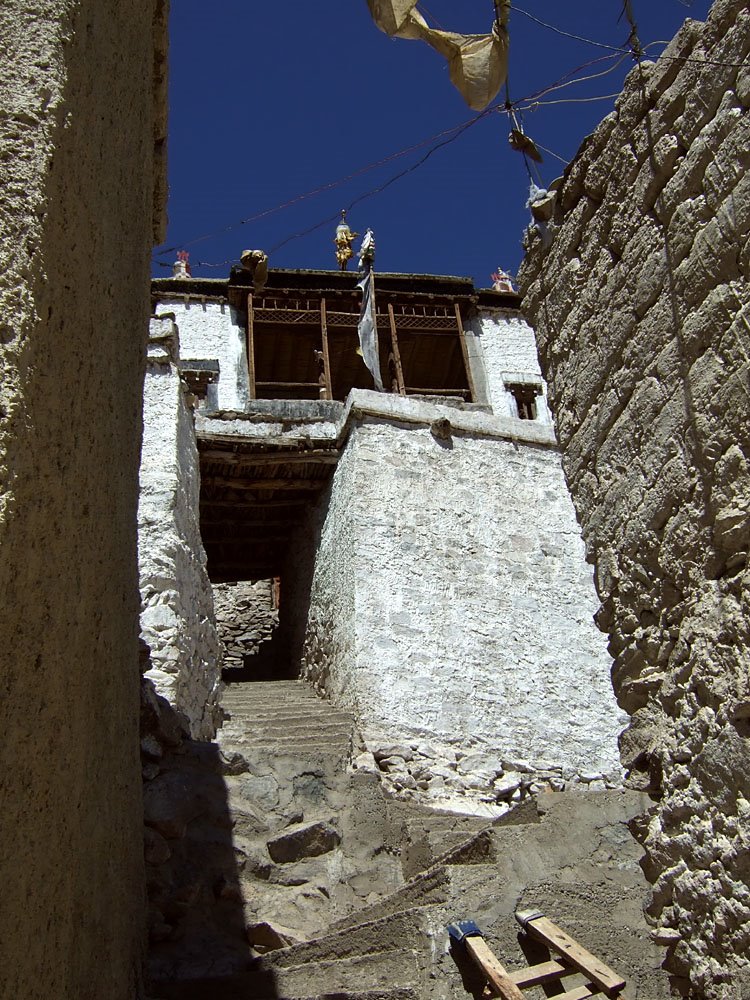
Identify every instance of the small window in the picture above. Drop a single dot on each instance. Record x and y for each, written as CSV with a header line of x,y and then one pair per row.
x,y
525,397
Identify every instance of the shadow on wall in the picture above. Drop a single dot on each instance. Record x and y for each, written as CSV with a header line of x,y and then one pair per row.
x,y
196,919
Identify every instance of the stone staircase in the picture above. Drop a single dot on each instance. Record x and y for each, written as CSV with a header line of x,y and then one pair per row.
x,y
365,918
285,717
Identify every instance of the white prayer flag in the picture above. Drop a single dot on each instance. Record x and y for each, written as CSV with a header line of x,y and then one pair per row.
x,y
367,327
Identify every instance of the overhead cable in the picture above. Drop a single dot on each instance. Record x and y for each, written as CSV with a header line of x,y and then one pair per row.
x,y
315,191
568,34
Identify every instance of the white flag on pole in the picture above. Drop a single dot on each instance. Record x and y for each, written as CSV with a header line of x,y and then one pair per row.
x,y
367,327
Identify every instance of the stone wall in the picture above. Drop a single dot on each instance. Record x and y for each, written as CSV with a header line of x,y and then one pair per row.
x,y
79,183
639,296
451,608
246,620
177,618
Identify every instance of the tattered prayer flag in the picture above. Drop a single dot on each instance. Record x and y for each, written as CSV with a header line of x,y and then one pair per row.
x,y
478,64
389,15
367,328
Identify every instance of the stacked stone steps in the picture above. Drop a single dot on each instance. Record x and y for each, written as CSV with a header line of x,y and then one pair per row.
x,y
286,716
430,835
432,885
578,863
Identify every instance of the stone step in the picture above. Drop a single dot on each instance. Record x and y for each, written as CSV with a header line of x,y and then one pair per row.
x,y
370,937
280,734
431,836
272,691
299,736
432,885
236,989
374,976
269,699
292,717
280,720
312,704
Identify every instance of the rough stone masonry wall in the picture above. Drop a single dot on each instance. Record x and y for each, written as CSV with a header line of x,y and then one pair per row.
x,y
77,192
246,619
640,299
177,617
467,645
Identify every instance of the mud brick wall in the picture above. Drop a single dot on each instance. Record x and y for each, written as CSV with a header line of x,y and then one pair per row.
x,y
637,287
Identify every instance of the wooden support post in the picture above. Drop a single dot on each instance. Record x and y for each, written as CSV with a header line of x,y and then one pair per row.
x,y
465,353
539,927
396,353
250,346
326,356
495,972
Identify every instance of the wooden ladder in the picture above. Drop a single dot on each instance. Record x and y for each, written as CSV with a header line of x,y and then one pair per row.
x,y
569,959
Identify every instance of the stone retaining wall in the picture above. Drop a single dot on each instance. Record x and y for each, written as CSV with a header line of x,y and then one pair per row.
x,y
638,290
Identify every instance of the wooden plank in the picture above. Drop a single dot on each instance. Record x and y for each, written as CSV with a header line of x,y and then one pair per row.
x,y
266,484
280,441
230,525
539,927
438,392
239,541
465,353
396,352
535,975
493,969
273,504
250,347
326,355
319,456
287,385
579,993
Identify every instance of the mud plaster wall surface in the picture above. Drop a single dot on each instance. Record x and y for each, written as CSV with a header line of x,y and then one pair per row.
x,y
77,181
642,310
454,579
177,618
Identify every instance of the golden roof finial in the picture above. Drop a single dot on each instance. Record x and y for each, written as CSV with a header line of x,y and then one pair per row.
x,y
343,240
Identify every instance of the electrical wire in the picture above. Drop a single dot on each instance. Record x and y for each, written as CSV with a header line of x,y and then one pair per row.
x,y
315,191
456,131
392,180
564,82
569,100
626,49
568,34
527,104
549,152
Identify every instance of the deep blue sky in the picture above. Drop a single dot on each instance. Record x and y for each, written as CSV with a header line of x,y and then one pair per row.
x,y
269,101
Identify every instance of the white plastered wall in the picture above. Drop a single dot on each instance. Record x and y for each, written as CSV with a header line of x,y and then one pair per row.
x,y
458,569
177,619
505,354
211,331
